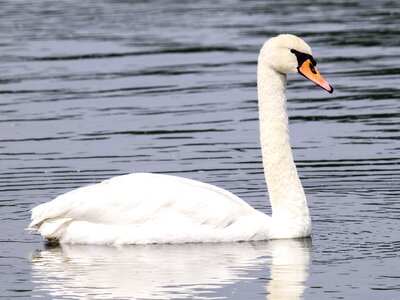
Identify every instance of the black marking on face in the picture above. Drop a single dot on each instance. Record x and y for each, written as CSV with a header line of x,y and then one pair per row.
x,y
302,57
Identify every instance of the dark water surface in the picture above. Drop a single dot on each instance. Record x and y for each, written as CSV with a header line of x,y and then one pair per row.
x,y
94,89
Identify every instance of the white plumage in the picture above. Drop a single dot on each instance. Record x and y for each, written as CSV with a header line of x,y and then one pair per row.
x,y
144,208
126,210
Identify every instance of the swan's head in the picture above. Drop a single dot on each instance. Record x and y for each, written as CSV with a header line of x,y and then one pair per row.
x,y
289,54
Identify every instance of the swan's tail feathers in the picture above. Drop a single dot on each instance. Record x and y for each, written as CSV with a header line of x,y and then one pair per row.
x,y
33,225
49,228
48,220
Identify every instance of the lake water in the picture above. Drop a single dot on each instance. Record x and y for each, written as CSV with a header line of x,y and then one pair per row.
x,y
95,89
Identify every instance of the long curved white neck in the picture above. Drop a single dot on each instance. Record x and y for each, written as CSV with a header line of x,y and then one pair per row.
x,y
286,193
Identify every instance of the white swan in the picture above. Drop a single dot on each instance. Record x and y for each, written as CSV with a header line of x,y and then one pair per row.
x,y
144,208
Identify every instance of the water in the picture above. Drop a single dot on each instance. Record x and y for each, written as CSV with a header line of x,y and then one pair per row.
x,y
94,89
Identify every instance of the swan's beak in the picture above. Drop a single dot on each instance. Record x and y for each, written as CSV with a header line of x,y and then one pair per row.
x,y
308,70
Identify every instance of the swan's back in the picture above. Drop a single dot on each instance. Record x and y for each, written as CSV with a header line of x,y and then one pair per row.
x,y
148,208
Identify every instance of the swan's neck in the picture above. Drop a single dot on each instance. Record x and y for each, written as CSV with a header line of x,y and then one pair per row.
x,y
286,193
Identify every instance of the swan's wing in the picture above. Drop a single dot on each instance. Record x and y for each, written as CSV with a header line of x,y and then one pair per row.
x,y
140,198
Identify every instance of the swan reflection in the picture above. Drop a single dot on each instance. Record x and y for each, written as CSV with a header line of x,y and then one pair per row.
x,y
171,271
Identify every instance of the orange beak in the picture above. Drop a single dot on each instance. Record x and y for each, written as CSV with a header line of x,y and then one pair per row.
x,y
308,70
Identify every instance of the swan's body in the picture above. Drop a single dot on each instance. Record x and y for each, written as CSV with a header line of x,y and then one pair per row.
x,y
146,208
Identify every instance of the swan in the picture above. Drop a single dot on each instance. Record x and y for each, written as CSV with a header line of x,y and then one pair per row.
x,y
145,208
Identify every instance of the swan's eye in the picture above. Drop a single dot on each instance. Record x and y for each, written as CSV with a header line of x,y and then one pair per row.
x,y
302,57
314,62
